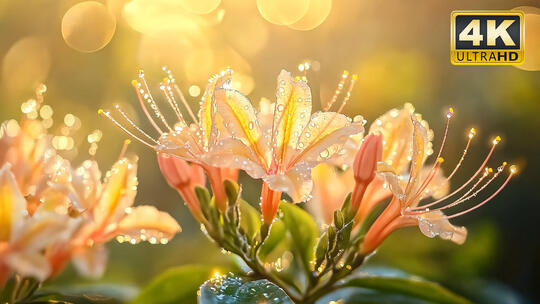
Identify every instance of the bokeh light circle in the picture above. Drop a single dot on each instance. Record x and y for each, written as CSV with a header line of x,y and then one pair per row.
x,y
532,38
200,6
283,12
88,26
26,64
317,12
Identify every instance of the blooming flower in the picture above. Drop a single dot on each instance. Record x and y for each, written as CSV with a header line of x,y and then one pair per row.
x,y
108,212
23,238
281,143
423,182
332,186
188,141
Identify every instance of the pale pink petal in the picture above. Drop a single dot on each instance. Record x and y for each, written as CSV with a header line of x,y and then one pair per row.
x,y
432,224
393,181
326,135
232,153
146,222
41,230
29,264
420,142
397,130
92,261
296,182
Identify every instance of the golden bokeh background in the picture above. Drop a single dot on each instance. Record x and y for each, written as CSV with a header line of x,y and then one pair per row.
x,y
87,52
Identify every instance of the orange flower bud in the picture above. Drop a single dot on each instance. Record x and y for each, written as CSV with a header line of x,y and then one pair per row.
x,y
183,177
364,167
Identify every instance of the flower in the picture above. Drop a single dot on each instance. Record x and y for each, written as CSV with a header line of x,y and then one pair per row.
x,y
427,181
281,143
395,128
107,213
24,237
188,141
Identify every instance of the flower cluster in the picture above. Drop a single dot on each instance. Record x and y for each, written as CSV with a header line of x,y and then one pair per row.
x,y
52,213
325,158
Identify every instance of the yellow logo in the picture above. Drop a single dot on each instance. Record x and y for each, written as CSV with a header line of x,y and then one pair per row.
x,y
486,37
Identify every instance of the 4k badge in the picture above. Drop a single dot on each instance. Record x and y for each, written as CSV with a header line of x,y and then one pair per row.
x,y
487,37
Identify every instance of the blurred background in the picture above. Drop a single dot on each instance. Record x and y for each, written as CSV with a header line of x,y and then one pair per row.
x,y
88,52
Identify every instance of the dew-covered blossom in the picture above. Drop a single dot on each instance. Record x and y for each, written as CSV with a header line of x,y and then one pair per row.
x,y
107,213
283,141
189,139
51,213
408,206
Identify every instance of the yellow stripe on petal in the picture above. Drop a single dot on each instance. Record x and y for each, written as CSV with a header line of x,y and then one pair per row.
x,y
419,144
12,203
240,120
205,113
118,192
325,136
292,113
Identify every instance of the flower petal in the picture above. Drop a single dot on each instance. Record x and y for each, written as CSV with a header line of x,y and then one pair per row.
x,y
296,182
29,264
326,135
232,153
420,142
41,230
291,115
432,225
240,120
146,222
392,179
12,203
397,129
92,261
206,115
118,192
184,143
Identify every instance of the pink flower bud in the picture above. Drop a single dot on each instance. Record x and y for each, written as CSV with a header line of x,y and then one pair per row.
x,y
364,167
183,177
366,159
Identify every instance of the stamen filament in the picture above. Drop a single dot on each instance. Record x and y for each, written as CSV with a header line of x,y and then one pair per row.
x,y
465,184
124,148
152,102
340,85
136,85
165,89
183,99
482,203
108,115
124,115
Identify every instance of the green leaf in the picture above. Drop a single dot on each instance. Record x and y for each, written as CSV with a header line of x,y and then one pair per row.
x,y
408,286
303,230
276,236
320,250
230,289
250,218
176,285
